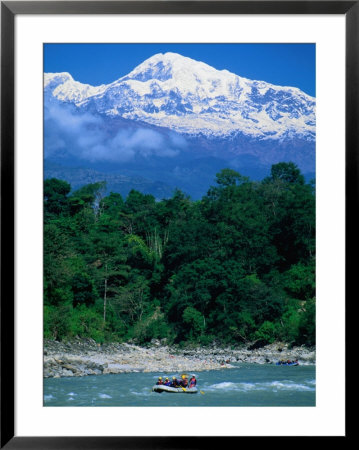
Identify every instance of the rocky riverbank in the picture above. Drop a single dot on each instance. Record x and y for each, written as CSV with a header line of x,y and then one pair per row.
x,y
86,357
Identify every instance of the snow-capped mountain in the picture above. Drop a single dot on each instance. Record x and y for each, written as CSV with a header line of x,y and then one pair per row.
x,y
175,122
192,98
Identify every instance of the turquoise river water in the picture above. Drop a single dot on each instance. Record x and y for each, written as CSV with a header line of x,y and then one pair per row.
x,y
244,385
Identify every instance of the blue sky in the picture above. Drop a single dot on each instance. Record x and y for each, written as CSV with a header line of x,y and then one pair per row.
x,y
95,64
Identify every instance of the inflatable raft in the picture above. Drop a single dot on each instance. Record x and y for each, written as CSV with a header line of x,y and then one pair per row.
x,y
287,364
161,388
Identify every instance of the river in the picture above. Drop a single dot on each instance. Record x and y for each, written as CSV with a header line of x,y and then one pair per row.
x,y
244,385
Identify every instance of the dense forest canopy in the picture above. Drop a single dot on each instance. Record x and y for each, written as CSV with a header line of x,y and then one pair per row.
x,y
236,266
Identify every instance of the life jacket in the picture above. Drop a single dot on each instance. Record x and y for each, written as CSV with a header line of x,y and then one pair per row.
x,y
159,382
192,383
184,382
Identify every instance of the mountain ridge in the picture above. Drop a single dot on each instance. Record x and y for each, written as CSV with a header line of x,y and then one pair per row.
x,y
176,121
194,98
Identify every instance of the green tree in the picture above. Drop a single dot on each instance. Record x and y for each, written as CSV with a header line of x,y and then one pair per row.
x,y
57,321
55,197
237,265
87,196
83,290
195,322
287,172
267,332
307,329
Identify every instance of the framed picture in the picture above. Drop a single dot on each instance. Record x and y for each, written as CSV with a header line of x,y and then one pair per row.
x,y
39,41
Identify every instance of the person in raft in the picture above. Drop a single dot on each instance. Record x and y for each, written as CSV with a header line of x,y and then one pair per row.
x,y
174,383
192,382
184,381
167,382
159,381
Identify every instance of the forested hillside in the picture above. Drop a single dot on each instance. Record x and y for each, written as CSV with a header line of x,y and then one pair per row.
x,y
236,266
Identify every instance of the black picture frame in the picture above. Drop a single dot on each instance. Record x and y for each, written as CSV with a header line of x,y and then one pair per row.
x,y
9,9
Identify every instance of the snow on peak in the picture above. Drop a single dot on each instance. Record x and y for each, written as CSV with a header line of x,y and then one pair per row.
x,y
185,75
168,65
54,79
65,88
189,96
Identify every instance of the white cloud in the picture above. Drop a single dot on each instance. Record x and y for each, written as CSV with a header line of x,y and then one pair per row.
x,y
89,137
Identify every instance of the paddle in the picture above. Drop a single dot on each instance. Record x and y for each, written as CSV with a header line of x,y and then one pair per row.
x,y
184,390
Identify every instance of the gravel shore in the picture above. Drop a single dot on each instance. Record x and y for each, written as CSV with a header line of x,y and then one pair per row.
x,y
85,357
